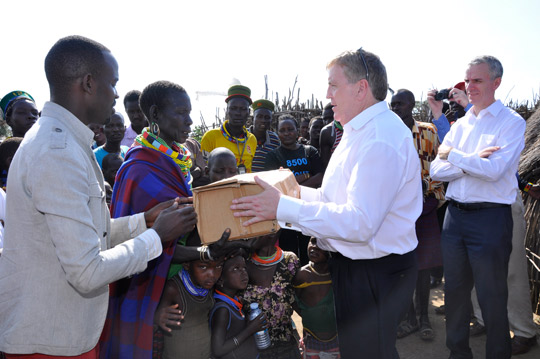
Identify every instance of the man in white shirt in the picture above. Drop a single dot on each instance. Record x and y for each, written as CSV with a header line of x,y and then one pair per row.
x,y
365,211
479,158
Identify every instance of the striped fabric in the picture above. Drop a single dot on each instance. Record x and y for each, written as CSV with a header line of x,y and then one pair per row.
x,y
272,142
339,133
146,178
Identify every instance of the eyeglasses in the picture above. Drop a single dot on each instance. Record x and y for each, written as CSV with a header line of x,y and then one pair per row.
x,y
365,64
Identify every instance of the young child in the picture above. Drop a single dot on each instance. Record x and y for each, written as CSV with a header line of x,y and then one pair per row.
x,y
8,147
271,271
315,303
232,333
190,291
221,164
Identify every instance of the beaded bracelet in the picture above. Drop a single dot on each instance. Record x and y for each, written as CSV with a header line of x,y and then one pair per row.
x,y
236,341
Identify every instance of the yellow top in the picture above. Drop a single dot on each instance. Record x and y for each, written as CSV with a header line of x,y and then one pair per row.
x,y
305,285
214,139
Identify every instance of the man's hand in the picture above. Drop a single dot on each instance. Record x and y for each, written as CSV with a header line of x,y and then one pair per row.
x,y
534,191
228,249
435,106
261,207
444,151
151,215
168,316
488,151
175,221
459,96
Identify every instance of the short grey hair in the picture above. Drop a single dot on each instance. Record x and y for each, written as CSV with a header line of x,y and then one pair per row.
x,y
354,69
495,66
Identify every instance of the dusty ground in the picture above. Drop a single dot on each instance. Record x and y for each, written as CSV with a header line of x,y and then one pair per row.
x,y
412,347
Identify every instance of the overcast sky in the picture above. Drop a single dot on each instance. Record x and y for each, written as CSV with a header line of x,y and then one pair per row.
x,y
206,45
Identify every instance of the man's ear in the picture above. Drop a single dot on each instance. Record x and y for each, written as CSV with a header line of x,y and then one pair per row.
x,y
187,266
153,112
88,83
497,82
361,87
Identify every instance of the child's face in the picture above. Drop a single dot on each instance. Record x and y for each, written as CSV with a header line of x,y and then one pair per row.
x,y
205,274
222,167
235,275
315,254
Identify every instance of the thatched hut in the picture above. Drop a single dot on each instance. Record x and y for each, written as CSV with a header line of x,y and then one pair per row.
x,y
529,169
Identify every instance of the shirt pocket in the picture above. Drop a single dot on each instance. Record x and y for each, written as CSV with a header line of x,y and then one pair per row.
x,y
96,200
486,140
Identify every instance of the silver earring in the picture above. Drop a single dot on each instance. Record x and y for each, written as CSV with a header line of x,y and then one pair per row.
x,y
155,128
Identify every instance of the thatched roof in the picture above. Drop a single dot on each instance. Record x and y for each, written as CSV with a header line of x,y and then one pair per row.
x,y
529,169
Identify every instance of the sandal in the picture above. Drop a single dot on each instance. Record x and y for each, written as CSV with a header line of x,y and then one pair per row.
x,y
406,328
426,332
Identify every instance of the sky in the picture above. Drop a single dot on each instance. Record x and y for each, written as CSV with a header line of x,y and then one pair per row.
x,y
206,46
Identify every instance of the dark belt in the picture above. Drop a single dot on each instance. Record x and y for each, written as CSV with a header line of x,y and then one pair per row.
x,y
337,255
476,205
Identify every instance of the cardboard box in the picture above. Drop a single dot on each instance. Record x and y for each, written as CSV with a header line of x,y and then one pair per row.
x,y
212,204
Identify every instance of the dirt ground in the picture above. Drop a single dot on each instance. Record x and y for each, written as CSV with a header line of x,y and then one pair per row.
x,y
412,347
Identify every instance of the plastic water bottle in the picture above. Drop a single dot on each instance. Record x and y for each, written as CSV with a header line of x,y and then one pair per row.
x,y
262,338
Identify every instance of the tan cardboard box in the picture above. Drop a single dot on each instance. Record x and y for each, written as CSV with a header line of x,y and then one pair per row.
x,y
212,204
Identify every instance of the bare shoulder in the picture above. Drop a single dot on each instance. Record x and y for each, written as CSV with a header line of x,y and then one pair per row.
x,y
302,276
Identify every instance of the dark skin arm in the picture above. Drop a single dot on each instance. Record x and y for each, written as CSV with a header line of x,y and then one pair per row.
x,y
326,141
169,311
222,248
220,320
302,276
534,192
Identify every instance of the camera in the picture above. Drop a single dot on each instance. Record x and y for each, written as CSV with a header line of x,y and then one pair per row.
x,y
442,95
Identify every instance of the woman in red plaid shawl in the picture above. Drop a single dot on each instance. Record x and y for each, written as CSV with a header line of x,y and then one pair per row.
x,y
155,170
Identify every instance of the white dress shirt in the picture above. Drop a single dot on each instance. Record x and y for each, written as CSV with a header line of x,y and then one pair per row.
x,y
475,179
371,194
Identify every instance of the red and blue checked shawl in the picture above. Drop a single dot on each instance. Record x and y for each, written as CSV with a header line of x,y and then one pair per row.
x,y
146,178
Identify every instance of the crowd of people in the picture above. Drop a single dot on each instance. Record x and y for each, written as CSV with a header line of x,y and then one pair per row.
x,y
104,260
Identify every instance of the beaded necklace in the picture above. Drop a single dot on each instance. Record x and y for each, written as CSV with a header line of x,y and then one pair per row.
x,y
179,153
230,137
268,261
233,302
190,287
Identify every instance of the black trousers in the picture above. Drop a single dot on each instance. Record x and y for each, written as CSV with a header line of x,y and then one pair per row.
x,y
371,296
476,248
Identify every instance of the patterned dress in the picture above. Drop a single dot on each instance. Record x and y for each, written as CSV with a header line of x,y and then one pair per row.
x,y
429,254
276,302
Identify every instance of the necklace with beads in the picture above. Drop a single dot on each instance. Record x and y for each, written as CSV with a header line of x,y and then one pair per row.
x,y
268,261
178,153
232,138
233,302
310,265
